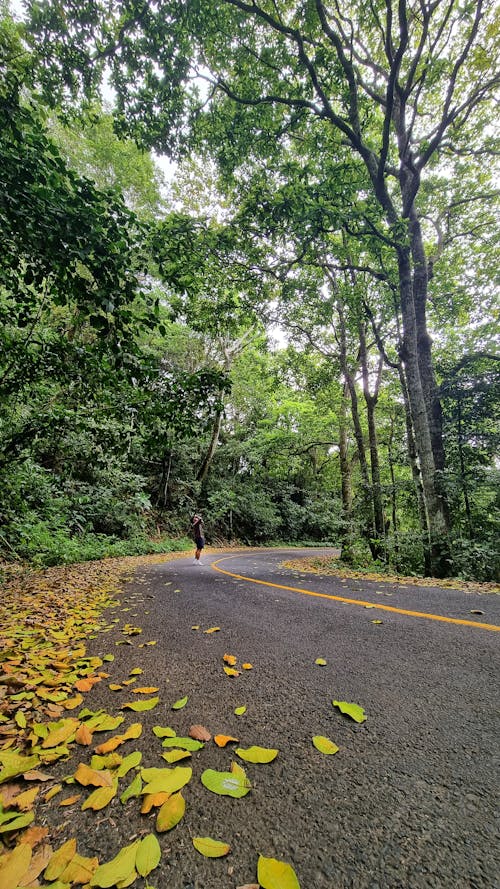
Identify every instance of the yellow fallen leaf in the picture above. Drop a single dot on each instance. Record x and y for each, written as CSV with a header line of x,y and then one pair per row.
x,y
24,801
175,755
146,690
320,661
154,799
61,733
211,848
240,710
73,703
70,800
52,792
170,813
114,687
230,671
222,740
247,666
60,859
196,627
257,754
274,874
100,797
212,630
229,659
79,870
324,745
136,671
85,775
16,865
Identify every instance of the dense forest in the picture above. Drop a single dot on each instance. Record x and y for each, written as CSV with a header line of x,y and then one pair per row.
x,y
292,328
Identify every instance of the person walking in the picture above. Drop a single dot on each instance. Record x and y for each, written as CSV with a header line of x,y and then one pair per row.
x,y
197,526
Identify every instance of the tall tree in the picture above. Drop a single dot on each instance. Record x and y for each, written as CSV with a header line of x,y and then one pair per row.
x,y
397,82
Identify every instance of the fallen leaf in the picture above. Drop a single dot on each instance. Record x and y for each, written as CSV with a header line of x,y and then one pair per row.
x,y
376,621
166,780
60,859
196,627
85,775
212,630
229,659
211,848
178,705
240,710
225,783
320,661
257,754
136,671
16,865
148,855
183,743
172,756
324,745
152,800
83,736
141,706
133,790
353,710
163,732
145,690
100,797
476,611
79,870
200,733
230,671
170,813
274,874
222,740
118,869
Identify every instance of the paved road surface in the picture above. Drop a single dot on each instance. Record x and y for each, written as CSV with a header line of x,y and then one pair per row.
x,y
409,800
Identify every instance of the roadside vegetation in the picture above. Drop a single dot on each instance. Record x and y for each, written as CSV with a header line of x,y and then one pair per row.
x,y
294,333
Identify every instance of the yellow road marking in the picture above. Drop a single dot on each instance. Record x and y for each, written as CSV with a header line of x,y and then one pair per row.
x,y
295,589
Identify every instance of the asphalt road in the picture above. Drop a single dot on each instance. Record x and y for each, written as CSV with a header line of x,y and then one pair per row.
x,y
410,799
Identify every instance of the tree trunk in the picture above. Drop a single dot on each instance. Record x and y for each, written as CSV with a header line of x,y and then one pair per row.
x,y
434,507
371,402
209,456
416,475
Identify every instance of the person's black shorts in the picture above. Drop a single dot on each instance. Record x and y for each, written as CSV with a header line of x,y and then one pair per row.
x,y
200,543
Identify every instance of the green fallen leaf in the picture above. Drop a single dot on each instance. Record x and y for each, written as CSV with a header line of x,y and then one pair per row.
x,y
178,705
240,711
118,869
226,783
353,710
183,743
141,706
148,855
133,790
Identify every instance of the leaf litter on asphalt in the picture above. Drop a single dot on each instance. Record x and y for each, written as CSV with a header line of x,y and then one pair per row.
x,y
46,673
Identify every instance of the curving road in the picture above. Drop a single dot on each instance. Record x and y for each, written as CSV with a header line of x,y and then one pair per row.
x,y
408,801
